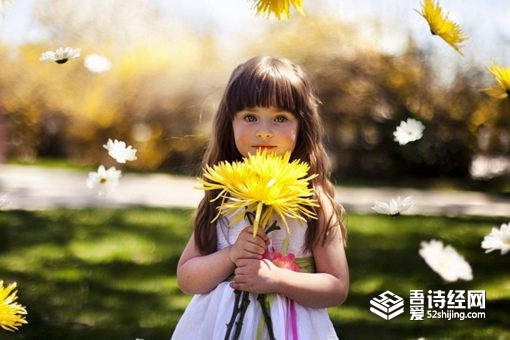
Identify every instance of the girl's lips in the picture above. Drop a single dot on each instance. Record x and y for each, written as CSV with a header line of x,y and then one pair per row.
x,y
265,146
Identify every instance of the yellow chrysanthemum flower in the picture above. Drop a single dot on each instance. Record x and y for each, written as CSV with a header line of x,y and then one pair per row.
x,y
264,184
12,314
280,8
502,75
441,26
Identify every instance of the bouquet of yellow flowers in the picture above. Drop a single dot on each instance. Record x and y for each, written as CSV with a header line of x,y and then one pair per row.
x,y
259,187
262,185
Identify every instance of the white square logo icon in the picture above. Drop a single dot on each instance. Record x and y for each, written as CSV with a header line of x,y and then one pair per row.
x,y
387,305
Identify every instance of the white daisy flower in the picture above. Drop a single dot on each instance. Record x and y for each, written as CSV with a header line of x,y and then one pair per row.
x,y
408,131
104,181
394,206
498,239
61,55
3,200
118,150
96,63
445,261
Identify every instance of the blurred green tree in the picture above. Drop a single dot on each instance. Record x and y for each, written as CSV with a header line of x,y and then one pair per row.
x,y
166,80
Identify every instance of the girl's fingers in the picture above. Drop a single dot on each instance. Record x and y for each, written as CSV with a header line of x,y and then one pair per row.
x,y
248,246
261,234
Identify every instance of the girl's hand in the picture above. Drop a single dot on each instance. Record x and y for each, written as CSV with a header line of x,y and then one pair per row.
x,y
256,276
247,246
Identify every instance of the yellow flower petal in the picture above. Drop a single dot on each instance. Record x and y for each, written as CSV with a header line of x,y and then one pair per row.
x,y
280,8
502,76
264,185
496,92
12,314
441,26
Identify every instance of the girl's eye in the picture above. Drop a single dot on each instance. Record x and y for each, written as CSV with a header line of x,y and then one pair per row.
x,y
250,117
280,119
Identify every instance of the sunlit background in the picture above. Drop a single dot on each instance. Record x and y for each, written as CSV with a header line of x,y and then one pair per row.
x,y
151,73
165,63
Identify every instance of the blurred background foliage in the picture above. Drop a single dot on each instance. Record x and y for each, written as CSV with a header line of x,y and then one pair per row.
x,y
167,79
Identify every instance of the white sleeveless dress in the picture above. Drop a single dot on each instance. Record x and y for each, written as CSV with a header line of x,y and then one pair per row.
x,y
207,315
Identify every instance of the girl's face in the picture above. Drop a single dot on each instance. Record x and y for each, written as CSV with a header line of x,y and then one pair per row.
x,y
265,128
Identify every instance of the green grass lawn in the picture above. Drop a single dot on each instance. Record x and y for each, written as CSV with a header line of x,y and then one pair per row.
x,y
110,273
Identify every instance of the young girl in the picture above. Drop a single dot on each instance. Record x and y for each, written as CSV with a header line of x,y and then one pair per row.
x,y
268,104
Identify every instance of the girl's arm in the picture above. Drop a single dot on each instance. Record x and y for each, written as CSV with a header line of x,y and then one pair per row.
x,y
326,288
198,273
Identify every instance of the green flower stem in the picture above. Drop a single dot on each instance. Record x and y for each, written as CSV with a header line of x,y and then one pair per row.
x,y
245,301
267,317
235,311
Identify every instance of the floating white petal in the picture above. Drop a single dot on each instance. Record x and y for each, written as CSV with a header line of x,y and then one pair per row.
x,y
408,131
103,180
498,239
61,55
445,261
96,63
3,200
119,151
394,206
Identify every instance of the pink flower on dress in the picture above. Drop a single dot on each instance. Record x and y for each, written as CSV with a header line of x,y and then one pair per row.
x,y
283,261
286,261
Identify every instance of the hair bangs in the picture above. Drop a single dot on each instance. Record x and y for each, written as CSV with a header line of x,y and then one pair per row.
x,y
264,89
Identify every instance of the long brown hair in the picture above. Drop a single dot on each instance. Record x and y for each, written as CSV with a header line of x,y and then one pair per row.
x,y
265,81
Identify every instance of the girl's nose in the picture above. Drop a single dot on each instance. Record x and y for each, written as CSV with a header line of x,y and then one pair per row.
x,y
264,129
264,134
